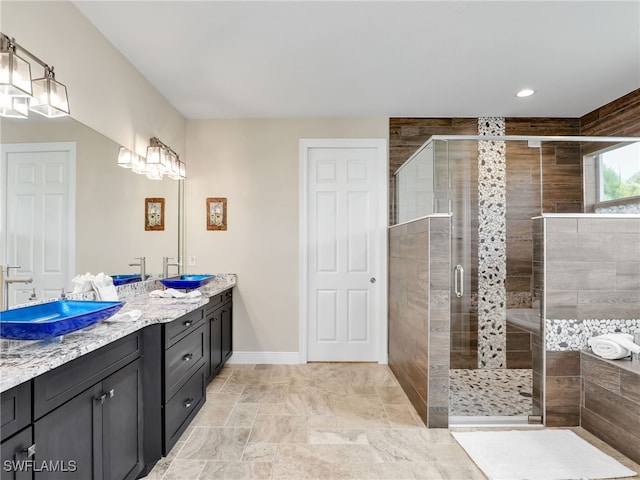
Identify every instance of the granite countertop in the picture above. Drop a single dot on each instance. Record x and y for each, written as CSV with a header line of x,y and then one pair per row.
x,y
22,360
623,363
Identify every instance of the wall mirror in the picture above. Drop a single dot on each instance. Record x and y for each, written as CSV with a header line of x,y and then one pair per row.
x,y
49,164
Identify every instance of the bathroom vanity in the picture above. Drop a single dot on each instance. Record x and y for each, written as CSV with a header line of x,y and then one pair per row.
x,y
108,402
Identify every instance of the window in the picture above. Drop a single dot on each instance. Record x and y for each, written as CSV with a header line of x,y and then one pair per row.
x,y
619,173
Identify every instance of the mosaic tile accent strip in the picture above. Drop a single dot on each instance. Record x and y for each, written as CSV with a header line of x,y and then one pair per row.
x,y
490,392
572,335
492,241
630,208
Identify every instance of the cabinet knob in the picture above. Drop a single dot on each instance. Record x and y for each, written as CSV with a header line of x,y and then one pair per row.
x,y
187,357
188,402
187,323
112,392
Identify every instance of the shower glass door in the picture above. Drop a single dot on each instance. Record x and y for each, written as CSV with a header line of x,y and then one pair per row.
x,y
490,362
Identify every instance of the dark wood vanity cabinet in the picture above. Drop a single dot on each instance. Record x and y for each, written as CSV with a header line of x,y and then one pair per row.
x,y
113,413
219,315
16,432
98,433
185,359
85,418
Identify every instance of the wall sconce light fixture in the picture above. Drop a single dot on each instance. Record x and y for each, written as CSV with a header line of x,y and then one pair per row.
x,y
161,160
19,93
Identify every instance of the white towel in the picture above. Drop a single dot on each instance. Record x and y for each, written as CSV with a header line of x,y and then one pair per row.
x,y
104,288
173,293
613,346
131,316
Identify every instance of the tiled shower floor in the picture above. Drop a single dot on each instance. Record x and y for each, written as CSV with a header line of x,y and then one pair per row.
x,y
490,392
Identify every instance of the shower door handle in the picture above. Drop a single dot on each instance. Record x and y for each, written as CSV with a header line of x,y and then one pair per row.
x,y
458,280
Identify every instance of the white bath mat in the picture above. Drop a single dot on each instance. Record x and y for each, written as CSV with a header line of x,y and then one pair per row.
x,y
538,455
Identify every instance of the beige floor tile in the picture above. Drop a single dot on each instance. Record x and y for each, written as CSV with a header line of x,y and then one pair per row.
x,y
323,421
233,388
395,471
342,454
213,413
317,421
236,471
324,471
243,415
259,452
263,394
402,416
329,436
271,409
307,403
392,395
280,429
359,411
212,443
217,384
182,469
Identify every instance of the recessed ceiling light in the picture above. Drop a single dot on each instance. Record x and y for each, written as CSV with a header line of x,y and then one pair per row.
x,y
525,92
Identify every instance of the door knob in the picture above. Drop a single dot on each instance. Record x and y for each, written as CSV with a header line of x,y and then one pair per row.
x,y
372,279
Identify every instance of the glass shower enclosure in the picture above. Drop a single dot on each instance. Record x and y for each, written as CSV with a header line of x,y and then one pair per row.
x,y
492,186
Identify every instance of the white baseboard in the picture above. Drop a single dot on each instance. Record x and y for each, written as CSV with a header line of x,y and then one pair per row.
x,y
268,358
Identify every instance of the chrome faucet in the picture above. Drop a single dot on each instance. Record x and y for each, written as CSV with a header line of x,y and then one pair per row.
x,y
143,269
166,264
7,280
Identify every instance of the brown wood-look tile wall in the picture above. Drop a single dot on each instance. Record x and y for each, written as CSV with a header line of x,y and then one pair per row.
x,y
620,118
562,389
610,406
419,315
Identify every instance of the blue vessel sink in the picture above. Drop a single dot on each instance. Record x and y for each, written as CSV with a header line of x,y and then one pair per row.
x,y
186,281
124,279
53,319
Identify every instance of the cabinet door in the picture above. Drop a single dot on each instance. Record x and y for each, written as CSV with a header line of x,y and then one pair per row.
x,y
69,438
15,459
215,341
122,424
227,332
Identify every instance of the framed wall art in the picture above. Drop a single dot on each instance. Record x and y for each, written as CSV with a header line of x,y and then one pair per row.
x,y
216,213
154,213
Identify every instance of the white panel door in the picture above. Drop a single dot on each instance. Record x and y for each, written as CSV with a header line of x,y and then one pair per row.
x,y
40,217
343,255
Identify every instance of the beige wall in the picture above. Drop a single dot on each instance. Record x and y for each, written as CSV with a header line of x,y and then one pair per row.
x,y
254,163
105,91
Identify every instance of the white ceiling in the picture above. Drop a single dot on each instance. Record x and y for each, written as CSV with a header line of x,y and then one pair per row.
x,y
265,59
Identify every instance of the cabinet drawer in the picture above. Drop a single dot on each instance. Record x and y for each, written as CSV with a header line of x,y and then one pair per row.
x,y
61,384
182,359
181,409
181,327
15,409
218,300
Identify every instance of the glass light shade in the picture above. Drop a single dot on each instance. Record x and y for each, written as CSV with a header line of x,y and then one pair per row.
x,y
49,97
153,155
125,158
153,172
183,170
15,75
14,107
166,161
139,164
